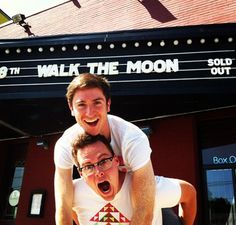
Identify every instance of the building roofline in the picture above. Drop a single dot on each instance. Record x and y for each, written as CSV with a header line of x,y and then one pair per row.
x,y
144,34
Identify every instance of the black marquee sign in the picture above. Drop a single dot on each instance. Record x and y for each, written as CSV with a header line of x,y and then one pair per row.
x,y
198,59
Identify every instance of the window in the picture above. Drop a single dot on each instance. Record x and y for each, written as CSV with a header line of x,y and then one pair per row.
x,y
218,147
14,192
221,197
12,159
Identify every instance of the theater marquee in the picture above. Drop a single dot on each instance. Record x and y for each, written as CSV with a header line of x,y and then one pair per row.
x,y
197,59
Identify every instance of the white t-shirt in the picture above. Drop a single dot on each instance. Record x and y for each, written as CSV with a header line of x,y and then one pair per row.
x,y
127,141
92,209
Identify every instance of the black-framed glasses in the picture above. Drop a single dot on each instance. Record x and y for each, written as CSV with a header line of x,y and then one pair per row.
x,y
103,165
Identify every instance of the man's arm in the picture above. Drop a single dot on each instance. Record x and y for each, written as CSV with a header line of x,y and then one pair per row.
x,y
63,188
188,203
143,195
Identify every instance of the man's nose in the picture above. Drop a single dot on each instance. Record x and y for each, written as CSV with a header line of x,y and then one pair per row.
x,y
89,110
98,171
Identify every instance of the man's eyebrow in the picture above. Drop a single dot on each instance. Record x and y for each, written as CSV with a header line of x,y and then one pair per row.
x,y
86,163
99,98
96,99
79,100
98,159
103,154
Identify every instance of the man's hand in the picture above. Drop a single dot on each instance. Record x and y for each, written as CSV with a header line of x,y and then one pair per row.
x,y
143,195
63,196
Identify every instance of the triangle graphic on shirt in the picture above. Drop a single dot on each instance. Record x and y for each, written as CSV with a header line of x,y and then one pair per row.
x,y
109,215
109,218
95,218
123,218
101,215
116,215
109,208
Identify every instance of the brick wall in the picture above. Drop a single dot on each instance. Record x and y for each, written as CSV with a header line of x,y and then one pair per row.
x,y
101,16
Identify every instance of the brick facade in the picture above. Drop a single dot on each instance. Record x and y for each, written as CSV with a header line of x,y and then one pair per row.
x,y
75,17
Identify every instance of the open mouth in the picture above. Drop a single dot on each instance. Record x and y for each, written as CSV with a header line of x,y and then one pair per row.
x,y
92,123
104,186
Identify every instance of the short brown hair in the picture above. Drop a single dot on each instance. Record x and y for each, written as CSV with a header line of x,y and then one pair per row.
x,y
84,140
88,80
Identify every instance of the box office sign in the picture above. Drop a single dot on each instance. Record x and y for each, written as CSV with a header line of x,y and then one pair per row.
x,y
151,62
221,155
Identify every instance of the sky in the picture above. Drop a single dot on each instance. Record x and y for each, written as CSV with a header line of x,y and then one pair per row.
x,y
27,7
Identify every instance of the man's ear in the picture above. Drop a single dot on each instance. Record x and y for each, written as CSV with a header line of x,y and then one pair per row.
x,y
71,109
108,105
116,160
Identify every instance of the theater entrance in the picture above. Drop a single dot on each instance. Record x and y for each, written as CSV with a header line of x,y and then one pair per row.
x,y
218,149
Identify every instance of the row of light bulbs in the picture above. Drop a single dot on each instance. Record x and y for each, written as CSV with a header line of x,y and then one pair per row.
x,y
123,45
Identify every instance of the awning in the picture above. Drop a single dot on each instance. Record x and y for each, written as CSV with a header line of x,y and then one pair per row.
x,y
152,72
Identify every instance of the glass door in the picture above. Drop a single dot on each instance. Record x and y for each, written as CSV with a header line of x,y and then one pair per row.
x,y
221,196
218,148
